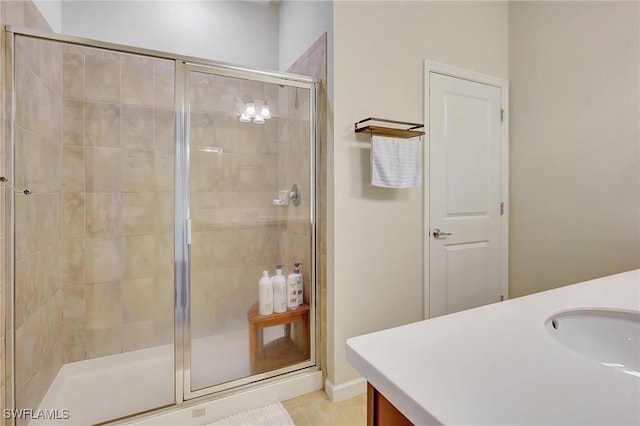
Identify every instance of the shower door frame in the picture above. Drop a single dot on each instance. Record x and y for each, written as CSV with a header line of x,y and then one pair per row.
x,y
181,341
183,222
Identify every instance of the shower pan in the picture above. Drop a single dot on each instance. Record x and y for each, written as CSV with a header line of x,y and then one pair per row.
x,y
156,185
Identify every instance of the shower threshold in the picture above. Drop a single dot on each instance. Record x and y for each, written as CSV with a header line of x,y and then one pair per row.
x,y
110,387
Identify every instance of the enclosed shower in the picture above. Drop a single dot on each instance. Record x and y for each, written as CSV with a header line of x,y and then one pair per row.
x,y
160,188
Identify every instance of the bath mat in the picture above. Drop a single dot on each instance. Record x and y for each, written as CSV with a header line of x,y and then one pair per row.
x,y
269,415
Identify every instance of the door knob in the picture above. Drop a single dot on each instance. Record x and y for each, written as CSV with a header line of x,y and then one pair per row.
x,y
437,233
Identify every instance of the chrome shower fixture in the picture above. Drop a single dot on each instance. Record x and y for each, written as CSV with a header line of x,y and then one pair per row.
x,y
286,196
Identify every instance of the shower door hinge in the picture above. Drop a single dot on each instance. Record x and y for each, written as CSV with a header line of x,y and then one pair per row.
x,y
502,116
501,208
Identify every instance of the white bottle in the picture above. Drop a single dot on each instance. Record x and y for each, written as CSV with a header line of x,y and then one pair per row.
x,y
298,275
292,289
279,291
265,294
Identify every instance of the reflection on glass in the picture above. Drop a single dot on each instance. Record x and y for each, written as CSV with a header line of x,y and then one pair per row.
x,y
238,230
94,242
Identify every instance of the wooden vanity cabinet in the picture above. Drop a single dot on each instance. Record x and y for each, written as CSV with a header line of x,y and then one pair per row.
x,y
380,412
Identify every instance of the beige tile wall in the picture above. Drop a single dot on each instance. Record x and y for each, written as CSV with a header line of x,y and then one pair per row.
x,y
38,153
294,168
94,246
314,63
117,202
233,182
24,14
237,231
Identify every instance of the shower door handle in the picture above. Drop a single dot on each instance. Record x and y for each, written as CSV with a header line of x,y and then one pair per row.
x,y
188,232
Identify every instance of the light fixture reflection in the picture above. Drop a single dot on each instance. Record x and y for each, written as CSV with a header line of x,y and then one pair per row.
x,y
250,110
264,112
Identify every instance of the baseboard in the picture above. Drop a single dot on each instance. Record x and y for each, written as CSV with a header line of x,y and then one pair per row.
x,y
345,390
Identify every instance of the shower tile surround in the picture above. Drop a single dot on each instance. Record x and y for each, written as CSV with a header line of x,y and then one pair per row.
x,y
38,313
117,202
236,171
235,234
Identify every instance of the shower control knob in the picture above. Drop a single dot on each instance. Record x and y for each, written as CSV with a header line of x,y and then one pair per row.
x,y
437,233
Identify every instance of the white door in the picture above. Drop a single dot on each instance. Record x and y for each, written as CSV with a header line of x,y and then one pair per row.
x,y
465,168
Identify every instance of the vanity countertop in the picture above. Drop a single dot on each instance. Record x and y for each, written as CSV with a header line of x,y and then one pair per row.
x,y
497,364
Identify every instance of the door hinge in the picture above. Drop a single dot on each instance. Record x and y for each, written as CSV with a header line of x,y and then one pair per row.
x,y
502,208
502,116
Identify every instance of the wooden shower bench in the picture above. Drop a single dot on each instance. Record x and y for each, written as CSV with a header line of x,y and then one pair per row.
x,y
259,322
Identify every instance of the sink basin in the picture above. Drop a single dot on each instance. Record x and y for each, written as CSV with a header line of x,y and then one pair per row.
x,y
608,337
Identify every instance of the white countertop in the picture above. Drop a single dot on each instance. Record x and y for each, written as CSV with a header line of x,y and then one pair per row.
x,y
497,364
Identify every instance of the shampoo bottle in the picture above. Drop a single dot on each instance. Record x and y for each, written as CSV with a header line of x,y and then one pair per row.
x,y
292,290
279,291
298,275
265,294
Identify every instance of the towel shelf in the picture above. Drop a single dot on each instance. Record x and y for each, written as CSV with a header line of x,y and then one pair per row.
x,y
378,130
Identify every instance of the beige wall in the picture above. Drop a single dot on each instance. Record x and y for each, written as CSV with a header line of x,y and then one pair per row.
x,y
574,70
376,235
241,32
299,25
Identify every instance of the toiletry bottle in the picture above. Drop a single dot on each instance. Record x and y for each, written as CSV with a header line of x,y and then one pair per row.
x,y
279,291
265,294
292,290
296,272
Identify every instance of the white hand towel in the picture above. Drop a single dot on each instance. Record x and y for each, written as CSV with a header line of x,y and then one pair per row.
x,y
396,163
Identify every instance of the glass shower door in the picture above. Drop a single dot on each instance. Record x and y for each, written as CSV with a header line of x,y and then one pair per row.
x,y
93,140
250,145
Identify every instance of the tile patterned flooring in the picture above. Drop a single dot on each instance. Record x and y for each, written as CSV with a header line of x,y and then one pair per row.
x,y
315,409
